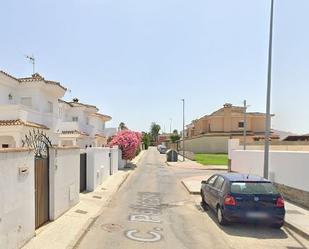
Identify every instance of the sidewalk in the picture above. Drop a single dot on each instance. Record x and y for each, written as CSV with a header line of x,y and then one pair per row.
x,y
296,218
189,164
65,232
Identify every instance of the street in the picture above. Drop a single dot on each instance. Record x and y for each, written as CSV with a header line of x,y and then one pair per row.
x,y
152,209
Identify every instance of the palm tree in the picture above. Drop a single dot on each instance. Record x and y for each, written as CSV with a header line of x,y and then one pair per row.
x,y
122,126
154,131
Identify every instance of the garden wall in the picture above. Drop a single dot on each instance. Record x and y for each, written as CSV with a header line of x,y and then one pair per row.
x,y
64,179
17,210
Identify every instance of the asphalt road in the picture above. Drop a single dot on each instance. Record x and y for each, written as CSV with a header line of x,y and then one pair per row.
x,y
153,210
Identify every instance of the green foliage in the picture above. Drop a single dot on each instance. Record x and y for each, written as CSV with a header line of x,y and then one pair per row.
x,y
146,140
122,126
212,159
175,136
154,131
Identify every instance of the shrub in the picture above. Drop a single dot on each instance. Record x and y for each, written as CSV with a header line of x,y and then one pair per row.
x,y
128,141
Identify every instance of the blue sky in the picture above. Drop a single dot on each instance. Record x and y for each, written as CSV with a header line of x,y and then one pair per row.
x,y
136,59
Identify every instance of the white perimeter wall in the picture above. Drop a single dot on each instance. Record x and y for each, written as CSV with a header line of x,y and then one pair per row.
x,y
98,166
121,163
285,167
64,180
115,159
17,210
206,144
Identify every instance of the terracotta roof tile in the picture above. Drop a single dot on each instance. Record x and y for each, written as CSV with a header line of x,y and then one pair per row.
x,y
5,73
19,122
75,132
33,78
38,77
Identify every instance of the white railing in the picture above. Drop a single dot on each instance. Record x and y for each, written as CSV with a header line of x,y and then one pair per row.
x,y
76,126
12,112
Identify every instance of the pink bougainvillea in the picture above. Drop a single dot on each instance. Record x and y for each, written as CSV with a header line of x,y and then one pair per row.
x,y
128,141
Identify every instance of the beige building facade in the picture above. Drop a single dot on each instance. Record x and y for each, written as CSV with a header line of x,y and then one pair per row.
x,y
229,121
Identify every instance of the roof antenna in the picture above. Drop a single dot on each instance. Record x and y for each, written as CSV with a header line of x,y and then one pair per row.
x,y
32,61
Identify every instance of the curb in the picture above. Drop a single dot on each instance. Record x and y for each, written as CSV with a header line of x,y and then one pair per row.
x,y
83,231
296,230
190,192
203,167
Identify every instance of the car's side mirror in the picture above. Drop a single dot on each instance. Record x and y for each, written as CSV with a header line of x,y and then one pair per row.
x,y
203,182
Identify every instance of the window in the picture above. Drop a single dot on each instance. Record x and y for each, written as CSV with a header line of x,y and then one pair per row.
x,y
219,182
75,119
103,126
212,180
241,124
253,188
87,120
27,101
5,146
50,107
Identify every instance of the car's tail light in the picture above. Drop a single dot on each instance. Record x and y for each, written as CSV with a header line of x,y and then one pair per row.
x,y
280,202
229,201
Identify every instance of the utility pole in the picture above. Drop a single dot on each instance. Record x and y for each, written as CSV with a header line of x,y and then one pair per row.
x,y
267,121
183,129
245,124
32,61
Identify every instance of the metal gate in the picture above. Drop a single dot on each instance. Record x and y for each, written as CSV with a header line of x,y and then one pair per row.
x,y
40,143
83,172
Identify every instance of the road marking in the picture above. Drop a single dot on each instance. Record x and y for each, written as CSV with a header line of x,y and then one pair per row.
x,y
144,218
146,210
131,234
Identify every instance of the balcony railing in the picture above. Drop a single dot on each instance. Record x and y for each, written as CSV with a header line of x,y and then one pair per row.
x,y
76,126
12,112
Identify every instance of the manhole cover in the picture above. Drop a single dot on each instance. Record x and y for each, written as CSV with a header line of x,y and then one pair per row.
x,y
111,227
80,211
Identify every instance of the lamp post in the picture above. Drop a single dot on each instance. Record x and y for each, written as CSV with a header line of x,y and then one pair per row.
x,y
267,120
245,124
183,129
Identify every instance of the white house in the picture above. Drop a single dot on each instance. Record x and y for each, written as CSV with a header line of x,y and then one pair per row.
x,y
25,104
81,125
35,103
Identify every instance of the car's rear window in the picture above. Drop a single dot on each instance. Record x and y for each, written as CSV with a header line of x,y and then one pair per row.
x,y
253,188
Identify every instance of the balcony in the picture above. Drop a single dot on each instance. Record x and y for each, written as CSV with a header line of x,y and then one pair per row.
x,y
76,126
24,113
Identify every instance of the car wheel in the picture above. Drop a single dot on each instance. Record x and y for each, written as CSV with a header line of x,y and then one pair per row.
x,y
203,202
222,221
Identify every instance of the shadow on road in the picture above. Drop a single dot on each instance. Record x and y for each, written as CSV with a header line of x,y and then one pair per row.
x,y
257,231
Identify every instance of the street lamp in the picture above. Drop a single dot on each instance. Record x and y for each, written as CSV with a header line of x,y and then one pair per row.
x,y
245,124
267,121
183,129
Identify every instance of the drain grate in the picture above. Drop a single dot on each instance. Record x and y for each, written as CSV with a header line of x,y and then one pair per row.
x,y
80,211
97,197
293,212
111,227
